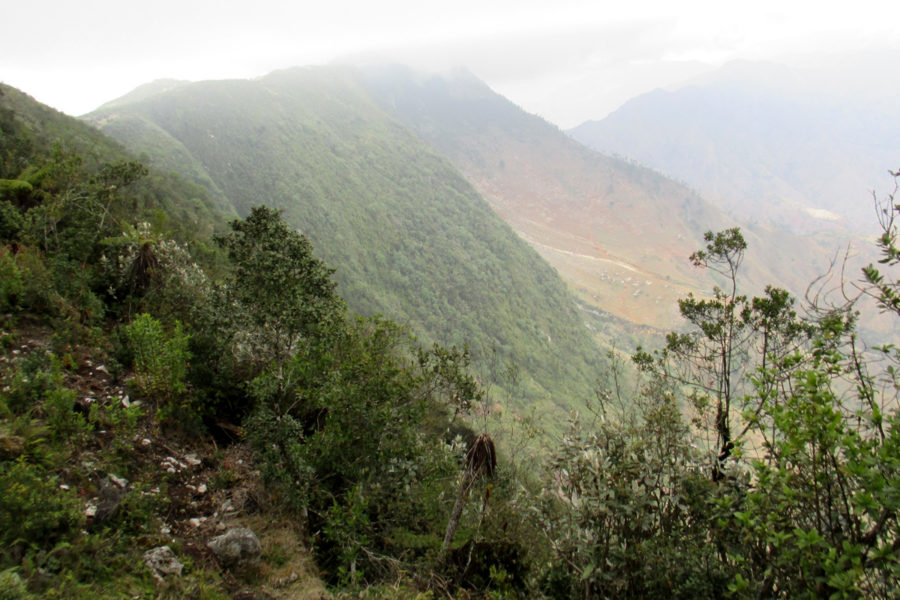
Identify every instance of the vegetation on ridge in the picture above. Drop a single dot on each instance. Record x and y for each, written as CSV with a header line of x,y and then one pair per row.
x,y
757,456
409,237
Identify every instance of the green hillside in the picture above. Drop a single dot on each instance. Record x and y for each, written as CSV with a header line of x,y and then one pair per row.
x,y
34,132
185,421
616,231
410,238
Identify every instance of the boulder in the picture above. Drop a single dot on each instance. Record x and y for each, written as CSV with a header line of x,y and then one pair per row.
x,y
161,562
237,547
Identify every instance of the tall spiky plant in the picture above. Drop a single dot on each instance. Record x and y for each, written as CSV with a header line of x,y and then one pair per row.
x,y
481,461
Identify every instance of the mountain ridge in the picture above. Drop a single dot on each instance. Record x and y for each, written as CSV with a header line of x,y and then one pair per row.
x,y
410,238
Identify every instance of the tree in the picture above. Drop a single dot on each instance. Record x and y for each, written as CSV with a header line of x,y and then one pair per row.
x,y
282,294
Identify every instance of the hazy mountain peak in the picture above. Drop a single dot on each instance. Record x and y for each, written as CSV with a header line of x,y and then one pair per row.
x,y
144,91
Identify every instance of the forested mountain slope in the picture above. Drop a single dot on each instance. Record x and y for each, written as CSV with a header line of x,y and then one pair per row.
x,y
619,233
32,130
409,236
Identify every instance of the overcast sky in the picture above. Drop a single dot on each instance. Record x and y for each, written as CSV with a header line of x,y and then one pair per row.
x,y
567,61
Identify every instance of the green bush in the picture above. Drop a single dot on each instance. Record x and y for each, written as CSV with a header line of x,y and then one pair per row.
x,y
11,281
11,586
160,361
27,384
34,512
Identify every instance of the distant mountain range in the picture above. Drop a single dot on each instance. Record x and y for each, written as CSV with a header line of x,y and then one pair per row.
x,y
619,233
796,149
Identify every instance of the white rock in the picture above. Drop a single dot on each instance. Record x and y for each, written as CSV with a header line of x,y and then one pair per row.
x,y
162,562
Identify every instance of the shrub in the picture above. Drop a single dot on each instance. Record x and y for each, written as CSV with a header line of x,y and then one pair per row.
x,y
34,512
160,359
11,283
11,586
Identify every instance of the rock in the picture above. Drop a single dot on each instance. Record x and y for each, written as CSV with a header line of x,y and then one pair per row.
x,y
161,561
283,581
201,489
227,509
236,547
111,496
119,481
196,521
192,460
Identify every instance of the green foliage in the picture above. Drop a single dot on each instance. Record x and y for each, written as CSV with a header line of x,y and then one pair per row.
x,y
160,360
11,282
11,586
11,220
347,448
284,295
885,290
807,506
626,512
410,238
34,512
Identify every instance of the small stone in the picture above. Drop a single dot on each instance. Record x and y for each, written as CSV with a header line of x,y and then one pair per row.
x,y
126,402
283,581
171,470
196,521
165,530
146,442
162,561
192,460
64,487
227,508
201,489
102,369
119,481
90,509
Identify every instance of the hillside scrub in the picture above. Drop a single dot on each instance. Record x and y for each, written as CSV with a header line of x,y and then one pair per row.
x,y
147,378
349,417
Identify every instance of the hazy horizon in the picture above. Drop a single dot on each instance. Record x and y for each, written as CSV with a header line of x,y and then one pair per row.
x,y
567,63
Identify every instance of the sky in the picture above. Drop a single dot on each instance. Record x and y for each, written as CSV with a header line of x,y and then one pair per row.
x,y
567,61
